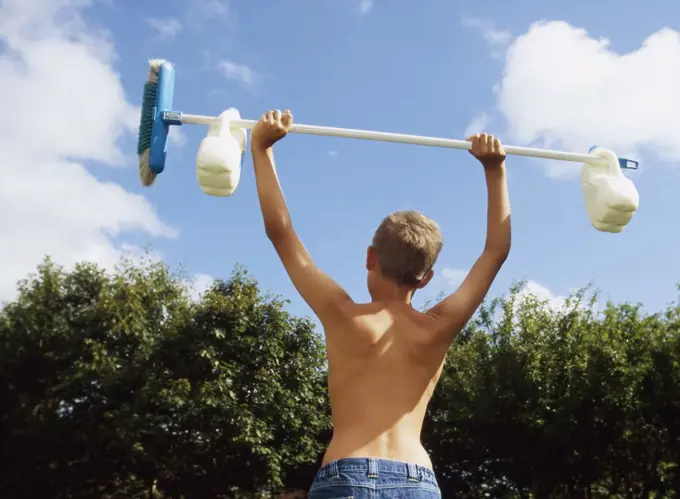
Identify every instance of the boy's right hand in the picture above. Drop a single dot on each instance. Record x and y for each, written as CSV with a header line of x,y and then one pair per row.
x,y
487,149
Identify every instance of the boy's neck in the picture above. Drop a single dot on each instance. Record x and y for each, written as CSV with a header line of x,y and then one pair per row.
x,y
386,291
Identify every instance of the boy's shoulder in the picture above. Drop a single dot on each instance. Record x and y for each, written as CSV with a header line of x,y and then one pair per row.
x,y
372,320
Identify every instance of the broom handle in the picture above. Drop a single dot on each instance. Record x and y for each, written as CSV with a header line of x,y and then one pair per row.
x,y
195,119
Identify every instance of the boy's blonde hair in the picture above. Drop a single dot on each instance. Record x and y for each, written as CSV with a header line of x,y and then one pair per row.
x,y
407,244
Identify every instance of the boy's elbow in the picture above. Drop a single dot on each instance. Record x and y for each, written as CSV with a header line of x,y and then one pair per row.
x,y
277,226
498,240
273,233
278,232
499,252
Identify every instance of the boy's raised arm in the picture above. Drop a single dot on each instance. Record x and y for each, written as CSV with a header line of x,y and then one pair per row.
x,y
324,296
452,313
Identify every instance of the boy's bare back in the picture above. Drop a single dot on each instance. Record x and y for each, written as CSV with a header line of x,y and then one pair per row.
x,y
384,362
384,357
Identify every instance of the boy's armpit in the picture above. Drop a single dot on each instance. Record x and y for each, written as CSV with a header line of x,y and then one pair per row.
x,y
323,295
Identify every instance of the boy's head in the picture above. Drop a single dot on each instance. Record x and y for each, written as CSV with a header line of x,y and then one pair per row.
x,y
404,249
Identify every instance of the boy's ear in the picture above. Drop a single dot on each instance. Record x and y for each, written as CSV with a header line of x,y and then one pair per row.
x,y
371,258
425,280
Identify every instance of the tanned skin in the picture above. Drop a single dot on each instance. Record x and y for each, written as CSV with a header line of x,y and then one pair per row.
x,y
384,357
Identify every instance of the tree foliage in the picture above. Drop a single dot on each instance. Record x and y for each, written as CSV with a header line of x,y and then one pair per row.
x,y
572,402
122,385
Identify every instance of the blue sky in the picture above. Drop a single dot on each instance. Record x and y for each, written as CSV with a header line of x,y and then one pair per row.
x,y
437,68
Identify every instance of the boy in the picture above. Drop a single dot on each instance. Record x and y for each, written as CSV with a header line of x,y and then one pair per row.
x,y
384,357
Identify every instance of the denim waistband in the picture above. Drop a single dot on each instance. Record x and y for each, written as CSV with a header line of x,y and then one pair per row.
x,y
374,467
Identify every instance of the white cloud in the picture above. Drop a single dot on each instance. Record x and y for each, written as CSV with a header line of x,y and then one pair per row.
x,y
52,75
176,136
168,28
477,125
333,153
532,288
453,277
365,6
496,38
200,11
238,72
213,7
563,89
199,284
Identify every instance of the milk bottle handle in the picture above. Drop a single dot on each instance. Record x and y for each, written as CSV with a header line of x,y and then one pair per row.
x,y
613,165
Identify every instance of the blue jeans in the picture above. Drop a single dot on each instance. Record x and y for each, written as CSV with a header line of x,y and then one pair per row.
x,y
372,478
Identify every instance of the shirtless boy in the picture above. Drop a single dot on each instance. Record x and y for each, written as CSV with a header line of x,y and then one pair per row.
x,y
384,357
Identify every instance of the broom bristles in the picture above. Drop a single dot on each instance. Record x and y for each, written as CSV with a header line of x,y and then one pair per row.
x,y
146,175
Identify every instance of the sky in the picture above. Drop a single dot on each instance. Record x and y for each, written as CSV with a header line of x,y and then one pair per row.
x,y
565,75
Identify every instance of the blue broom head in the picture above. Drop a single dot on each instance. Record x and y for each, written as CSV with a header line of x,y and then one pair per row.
x,y
153,130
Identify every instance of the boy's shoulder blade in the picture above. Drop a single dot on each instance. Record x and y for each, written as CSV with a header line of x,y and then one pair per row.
x,y
371,321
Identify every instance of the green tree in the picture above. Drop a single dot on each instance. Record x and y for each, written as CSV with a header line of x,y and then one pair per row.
x,y
570,402
120,385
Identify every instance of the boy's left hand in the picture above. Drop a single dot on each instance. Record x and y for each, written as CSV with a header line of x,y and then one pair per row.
x,y
272,127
